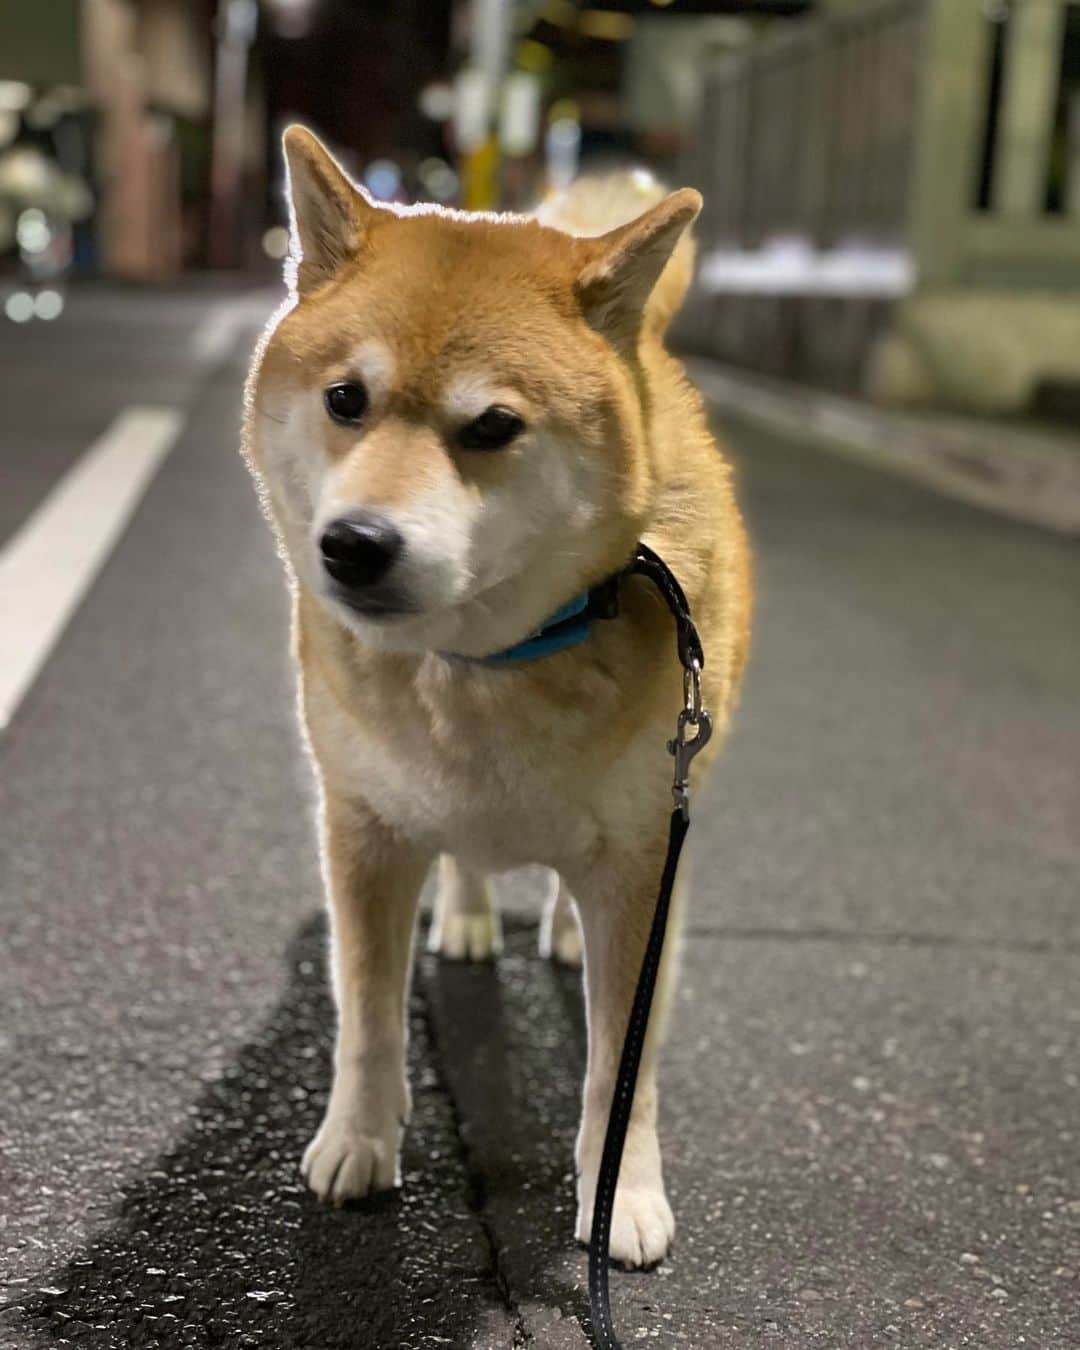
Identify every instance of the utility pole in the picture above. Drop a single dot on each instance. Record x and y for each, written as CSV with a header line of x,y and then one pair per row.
x,y
478,92
235,33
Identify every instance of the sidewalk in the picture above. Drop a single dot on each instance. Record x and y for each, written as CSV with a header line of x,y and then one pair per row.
x,y
1027,473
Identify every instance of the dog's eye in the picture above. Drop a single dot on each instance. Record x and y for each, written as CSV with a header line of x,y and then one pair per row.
x,y
493,429
346,402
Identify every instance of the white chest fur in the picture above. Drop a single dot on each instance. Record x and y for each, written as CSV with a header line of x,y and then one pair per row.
x,y
498,781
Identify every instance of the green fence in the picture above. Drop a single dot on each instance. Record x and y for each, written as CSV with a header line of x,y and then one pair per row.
x,y
949,129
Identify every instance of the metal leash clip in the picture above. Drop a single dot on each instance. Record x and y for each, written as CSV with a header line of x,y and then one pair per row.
x,y
683,748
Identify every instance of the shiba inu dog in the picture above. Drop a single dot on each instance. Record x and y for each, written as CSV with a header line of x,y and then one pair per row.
x,y
458,424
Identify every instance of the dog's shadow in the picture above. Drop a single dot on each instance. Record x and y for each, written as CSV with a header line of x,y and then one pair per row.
x,y
219,1243
512,1043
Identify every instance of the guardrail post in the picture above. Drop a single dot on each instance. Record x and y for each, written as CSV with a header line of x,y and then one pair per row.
x,y
950,120
1032,56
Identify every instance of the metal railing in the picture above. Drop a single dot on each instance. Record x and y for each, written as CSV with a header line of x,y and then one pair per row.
x,y
810,132
876,127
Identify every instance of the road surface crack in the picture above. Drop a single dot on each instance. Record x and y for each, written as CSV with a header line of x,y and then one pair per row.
x,y
476,1185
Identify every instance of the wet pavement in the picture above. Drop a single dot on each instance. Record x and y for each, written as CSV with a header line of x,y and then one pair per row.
x,y
218,1245
872,1089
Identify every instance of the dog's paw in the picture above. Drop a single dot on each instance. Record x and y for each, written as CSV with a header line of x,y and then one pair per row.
x,y
563,944
642,1226
466,937
465,924
560,932
342,1163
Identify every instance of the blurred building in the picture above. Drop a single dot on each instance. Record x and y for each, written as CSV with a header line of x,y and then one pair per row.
x,y
893,201
166,112
171,109
118,94
892,187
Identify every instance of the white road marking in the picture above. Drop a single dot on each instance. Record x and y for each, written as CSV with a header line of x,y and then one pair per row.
x,y
50,563
216,336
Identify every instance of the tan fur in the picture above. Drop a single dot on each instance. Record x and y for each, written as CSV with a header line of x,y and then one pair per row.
x,y
418,753
592,206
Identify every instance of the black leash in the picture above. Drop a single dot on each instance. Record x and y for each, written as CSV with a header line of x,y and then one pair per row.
x,y
648,564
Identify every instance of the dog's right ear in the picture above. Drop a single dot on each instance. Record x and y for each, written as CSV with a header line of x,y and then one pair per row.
x,y
326,211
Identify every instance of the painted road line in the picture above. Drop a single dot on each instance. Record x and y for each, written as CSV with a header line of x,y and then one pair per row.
x,y
217,335
51,562
214,338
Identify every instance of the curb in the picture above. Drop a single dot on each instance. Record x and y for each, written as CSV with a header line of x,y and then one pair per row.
x,y
1029,476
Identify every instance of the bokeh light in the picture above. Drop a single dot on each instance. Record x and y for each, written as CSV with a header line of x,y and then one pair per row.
x,y
19,306
32,231
275,242
49,304
382,178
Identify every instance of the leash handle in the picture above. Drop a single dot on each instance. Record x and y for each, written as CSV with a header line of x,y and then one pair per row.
x,y
649,564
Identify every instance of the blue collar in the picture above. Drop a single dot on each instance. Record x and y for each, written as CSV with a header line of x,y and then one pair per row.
x,y
573,623
565,628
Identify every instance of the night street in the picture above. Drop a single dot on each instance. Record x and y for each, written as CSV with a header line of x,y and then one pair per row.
x,y
871,1093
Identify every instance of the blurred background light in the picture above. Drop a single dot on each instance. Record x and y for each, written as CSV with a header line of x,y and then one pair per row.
x,y
32,231
607,25
49,305
292,18
472,104
437,101
519,114
562,147
275,242
533,56
437,179
560,13
382,178
14,95
19,306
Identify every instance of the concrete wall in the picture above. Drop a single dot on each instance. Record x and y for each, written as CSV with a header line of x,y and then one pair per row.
x,y
988,351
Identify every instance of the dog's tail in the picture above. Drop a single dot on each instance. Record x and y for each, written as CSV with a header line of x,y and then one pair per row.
x,y
595,204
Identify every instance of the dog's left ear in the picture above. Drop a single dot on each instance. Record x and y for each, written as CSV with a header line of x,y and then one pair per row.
x,y
625,264
328,212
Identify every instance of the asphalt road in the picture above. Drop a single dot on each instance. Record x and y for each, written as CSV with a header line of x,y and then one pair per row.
x,y
871,1110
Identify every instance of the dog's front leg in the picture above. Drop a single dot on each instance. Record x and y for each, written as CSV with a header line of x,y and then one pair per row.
x,y
373,880
616,903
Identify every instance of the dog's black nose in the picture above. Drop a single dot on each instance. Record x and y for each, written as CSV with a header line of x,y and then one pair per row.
x,y
358,550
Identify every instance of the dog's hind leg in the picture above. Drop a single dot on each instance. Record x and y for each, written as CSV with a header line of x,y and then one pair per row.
x,y
373,878
616,901
560,931
465,923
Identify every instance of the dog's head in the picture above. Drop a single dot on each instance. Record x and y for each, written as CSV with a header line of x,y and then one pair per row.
x,y
449,419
